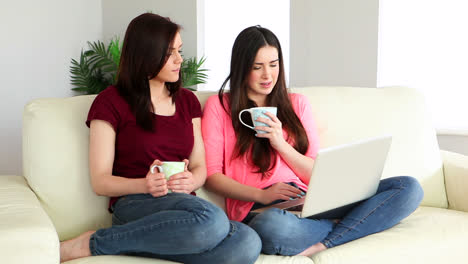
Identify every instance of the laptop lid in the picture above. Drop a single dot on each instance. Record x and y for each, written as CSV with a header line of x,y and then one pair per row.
x,y
345,174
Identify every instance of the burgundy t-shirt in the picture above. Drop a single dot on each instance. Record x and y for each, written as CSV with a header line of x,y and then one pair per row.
x,y
135,148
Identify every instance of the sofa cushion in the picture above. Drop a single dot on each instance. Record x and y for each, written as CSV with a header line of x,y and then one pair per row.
x,y
263,259
55,164
27,234
456,180
430,235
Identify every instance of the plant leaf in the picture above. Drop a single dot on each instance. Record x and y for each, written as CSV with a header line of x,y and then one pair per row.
x,y
97,68
191,72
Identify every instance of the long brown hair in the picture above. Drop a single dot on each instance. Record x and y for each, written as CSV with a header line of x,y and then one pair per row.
x,y
244,51
144,53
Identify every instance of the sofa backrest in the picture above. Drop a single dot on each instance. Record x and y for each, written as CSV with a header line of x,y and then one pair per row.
x,y
345,114
55,147
55,164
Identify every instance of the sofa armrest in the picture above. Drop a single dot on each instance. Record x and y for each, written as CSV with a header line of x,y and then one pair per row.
x,y
27,233
456,180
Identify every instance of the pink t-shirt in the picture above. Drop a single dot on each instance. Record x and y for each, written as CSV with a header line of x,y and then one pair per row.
x,y
220,139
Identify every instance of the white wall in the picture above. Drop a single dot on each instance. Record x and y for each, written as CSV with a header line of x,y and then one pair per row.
x,y
224,20
37,41
117,14
426,48
334,42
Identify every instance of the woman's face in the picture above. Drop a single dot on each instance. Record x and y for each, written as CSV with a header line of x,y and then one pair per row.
x,y
264,74
170,70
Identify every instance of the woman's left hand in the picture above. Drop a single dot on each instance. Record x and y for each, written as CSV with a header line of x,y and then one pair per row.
x,y
274,132
182,182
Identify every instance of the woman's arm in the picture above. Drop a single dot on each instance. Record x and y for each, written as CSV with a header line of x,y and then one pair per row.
x,y
301,165
101,159
194,178
227,187
197,163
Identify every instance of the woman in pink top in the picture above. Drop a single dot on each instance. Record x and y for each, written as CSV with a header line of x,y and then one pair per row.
x,y
253,169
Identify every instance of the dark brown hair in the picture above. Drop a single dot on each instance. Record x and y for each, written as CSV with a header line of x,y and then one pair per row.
x,y
144,53
244,51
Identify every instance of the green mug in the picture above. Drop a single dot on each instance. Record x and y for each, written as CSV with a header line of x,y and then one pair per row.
x,y
169,168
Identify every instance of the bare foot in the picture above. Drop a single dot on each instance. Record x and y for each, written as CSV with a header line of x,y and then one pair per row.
x,y
77,247
313,250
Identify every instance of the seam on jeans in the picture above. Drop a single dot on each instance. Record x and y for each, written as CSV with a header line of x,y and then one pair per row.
x,y
329,240
124,201
288,251
150,227
92,247
233,229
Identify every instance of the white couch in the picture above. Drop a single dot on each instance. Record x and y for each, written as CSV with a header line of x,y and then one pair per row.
x,y
54,199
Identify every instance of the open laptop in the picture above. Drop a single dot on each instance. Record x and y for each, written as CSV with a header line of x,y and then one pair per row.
x,y
342,176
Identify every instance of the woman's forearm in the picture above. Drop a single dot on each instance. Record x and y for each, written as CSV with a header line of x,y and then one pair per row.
x,y
300,164
199,175
114,186
227,187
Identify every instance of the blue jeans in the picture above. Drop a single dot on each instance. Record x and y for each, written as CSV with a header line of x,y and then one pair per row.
x,y
284,233
177,227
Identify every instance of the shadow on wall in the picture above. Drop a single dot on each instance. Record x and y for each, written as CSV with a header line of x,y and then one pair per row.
x,y
454,143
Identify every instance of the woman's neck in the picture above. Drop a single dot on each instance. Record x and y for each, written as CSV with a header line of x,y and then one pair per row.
x,y
161,100
158,90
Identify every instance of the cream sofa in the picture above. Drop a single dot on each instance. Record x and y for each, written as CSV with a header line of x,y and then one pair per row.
x,y
54,199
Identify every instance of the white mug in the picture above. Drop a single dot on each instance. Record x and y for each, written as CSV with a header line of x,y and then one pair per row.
x,y
256,112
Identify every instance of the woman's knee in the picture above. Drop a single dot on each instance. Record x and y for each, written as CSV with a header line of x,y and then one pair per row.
x,y
411,187
268,221
272,227
213,227
219,225
409,194
248,246
413,190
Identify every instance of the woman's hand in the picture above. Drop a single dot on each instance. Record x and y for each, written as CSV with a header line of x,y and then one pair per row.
x,y
182,182
279,191
274,132
156,183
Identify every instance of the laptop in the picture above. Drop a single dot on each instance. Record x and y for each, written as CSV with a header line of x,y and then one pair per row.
x,y
342,176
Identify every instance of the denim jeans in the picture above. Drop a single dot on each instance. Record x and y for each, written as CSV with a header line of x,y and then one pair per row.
x,y
177,227
284,233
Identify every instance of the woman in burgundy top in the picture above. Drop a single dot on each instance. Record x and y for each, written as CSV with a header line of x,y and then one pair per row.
x,y
147,118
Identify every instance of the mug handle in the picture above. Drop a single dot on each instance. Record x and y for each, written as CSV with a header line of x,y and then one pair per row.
x,y
240,118
160,168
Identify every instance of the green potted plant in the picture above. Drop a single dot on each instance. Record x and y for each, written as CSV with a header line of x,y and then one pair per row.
x,y
97,68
